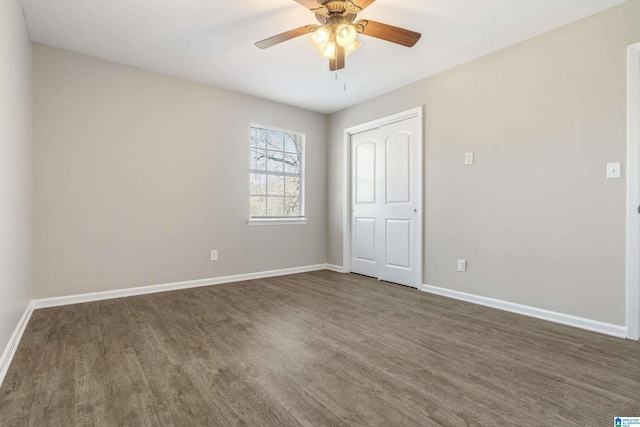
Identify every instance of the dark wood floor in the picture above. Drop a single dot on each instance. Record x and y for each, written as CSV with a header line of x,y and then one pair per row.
x,y
314,349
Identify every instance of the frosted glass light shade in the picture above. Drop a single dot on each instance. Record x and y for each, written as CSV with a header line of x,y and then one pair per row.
x,y
346,34
320,38
330,51
348,50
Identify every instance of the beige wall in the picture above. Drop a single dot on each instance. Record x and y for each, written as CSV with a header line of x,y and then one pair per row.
x,y
137,176
15,168
535,217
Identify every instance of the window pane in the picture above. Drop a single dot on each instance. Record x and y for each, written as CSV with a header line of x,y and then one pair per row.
x,y
292,206
290,143
274,161
275,207
276,185
292,186
292,163
258,184
258,160
259,137
254,137
258,206
275,141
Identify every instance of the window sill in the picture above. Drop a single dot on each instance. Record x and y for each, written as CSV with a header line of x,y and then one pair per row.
x,y
277,221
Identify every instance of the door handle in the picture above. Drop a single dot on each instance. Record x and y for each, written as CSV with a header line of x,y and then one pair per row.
x,y
416,210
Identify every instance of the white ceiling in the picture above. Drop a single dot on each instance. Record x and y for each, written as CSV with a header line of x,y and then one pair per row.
x,y
212,41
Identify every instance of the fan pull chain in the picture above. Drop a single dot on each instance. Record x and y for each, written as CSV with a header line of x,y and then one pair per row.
x,y
345,79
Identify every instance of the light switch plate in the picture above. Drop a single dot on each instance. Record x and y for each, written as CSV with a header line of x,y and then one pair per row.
x,y
613,170
468,158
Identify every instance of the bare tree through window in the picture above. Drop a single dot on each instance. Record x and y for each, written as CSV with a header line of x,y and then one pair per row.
x,y
276,173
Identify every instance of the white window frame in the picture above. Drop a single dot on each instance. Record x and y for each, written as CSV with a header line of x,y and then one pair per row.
x,y
299,220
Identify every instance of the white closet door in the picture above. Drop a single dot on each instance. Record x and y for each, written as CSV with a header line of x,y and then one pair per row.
x,y
386,201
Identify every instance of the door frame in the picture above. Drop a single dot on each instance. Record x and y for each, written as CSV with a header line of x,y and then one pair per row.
x,y
346,183
633,191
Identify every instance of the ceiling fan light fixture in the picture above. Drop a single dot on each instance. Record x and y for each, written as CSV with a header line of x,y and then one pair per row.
x,y
327,37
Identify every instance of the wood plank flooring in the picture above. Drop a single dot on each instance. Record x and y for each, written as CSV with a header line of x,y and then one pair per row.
x,y
313,349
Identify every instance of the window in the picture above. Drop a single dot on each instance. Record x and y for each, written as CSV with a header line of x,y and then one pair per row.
x,y
276,175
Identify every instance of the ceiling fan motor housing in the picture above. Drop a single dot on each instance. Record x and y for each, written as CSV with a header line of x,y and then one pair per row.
x,y
344,9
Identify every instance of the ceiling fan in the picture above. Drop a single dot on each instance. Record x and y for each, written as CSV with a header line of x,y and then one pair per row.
x,y
336,36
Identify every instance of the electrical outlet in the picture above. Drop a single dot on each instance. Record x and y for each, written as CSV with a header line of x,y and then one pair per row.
x,y
214,255
462,265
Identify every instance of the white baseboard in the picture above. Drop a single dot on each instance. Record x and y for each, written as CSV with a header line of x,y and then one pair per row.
x,y
336,268
12,345
151,289
539,313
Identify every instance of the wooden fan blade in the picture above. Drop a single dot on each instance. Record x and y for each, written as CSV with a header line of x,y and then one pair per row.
x,y
309,4
387,32
338,62
291,34
362,3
